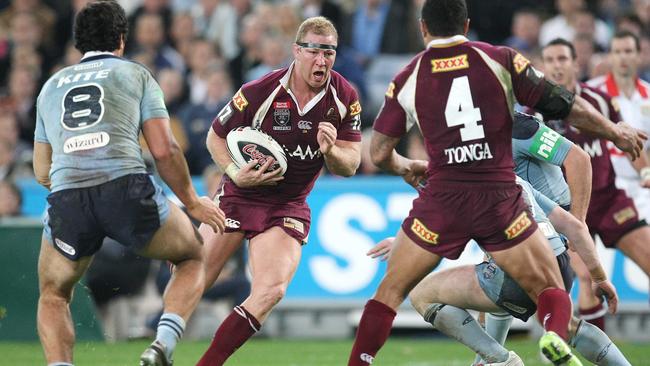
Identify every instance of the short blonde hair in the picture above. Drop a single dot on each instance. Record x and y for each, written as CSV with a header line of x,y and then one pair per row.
x,y
317,25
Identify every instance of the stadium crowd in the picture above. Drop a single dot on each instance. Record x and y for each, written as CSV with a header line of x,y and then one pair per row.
x,y
202,51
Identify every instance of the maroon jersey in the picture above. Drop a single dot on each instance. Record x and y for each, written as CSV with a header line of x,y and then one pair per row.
x,y
601,165
462,95
268,104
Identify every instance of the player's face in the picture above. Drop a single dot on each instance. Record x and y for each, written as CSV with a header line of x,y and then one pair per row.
x,y
624,57
559,66
313,64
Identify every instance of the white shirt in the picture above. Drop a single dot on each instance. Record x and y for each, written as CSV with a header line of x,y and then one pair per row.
x,y
634,110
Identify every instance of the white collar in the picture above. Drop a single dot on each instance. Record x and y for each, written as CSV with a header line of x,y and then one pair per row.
x,y
96,53
448,42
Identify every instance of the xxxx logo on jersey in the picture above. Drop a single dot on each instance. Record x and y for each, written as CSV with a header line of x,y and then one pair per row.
x,y
355,108
520,63
239,101
423,232
521,223
449,64
391,90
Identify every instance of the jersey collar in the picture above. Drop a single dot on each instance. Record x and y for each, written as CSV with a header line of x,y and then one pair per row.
x,y
284,81
96,55
612,88
448,42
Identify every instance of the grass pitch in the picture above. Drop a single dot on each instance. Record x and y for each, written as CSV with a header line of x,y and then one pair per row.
x,y
269,352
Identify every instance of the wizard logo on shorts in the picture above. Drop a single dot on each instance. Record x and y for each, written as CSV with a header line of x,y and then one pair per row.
x,y
518,226
282,116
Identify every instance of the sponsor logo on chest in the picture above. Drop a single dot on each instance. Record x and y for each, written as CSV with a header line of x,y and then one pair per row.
x,y
304,126
282,116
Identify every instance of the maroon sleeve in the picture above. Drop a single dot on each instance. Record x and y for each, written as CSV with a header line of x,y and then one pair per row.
x,y
234,114
527,82
614,110
350,128
391,120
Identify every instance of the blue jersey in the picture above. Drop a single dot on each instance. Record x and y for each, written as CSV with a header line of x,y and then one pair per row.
x,y
538,153
92,114
541,206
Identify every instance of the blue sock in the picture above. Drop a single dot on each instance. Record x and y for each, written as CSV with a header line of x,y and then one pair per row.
x,y
170,330
594,345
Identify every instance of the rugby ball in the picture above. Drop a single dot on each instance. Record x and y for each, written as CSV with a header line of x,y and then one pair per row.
x,y
246,144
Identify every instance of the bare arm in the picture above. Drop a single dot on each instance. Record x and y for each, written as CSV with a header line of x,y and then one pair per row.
x,y
343,158
42,163
642,166
577,166
587,118
384,156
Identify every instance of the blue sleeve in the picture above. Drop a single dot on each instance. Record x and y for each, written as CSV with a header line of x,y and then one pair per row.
x,y
39,132
153,103
545,145
546,204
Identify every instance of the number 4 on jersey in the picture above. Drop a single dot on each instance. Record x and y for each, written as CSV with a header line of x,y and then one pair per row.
x,y
460,110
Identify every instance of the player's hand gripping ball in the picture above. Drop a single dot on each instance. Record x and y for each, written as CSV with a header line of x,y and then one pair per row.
x,y
246,144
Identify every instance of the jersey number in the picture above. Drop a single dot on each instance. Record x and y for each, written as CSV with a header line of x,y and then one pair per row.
x,y
83,107
460,110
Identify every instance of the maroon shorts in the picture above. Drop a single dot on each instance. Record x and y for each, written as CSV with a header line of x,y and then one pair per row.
x,y
445,217
611,215
254,217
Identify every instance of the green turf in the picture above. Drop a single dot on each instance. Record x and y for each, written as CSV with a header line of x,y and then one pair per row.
x,y
263,352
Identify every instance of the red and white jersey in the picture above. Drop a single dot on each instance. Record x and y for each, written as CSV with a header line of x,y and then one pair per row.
x,y
269,105
461,94
634,110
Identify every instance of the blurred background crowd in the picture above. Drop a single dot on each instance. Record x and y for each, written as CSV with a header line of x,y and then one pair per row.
x,y
202,51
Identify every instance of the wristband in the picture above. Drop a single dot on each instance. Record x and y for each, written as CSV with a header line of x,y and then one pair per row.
x,y
232,170
644,173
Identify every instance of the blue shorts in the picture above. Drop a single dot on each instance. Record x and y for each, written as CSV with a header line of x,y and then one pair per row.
x,y
505,291
129,209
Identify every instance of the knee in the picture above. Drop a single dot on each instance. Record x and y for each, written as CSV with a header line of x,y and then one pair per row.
x,y
419,300
51,294
269,296
390,295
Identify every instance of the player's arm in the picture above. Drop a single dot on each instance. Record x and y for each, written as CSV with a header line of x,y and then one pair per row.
x,y
173,169
341,157
247,176
577,167
384,156
642,166
42,163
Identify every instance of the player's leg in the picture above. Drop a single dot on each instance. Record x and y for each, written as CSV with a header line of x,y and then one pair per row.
x,y
217,250
274,256
177,241
442,297
635,245
534,266
57,277
408,264
594,345
590,307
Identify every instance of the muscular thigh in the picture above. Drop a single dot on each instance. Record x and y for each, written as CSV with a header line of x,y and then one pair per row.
x,y
457,286
176,240
274,256
57,273
636,246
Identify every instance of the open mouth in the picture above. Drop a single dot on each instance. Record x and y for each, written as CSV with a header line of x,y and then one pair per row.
x,y
319,75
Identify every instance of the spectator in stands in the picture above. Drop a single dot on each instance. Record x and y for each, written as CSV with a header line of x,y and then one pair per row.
x,y
288,23
630,22
203,56
250,40
275,55
151,45
564,24
197,118
10,167
10,199
242,8
160,8
20,100
182,33
644,67
71,56
10,136
45,17
327,8
525,31
642,9
371,30
216,20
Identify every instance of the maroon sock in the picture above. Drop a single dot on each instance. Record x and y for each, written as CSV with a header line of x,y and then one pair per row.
x,y
595,315
374,329
233,332
554,311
